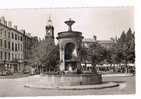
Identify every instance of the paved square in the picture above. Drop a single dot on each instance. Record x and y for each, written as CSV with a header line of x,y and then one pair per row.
x,y
15,87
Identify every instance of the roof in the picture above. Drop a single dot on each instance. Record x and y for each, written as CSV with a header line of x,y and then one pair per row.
x,y
99,41
25,34
104,41
89,40
11,28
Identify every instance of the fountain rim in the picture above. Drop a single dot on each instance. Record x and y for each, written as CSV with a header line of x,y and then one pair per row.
x,y
69,34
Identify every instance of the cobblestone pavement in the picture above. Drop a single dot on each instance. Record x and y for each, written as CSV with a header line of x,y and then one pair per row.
x,y
15,87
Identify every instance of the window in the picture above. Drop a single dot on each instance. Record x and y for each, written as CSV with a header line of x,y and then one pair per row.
x,y
8,34
9,45
8,56
18,37
0,32
12,56
21,56
18,56
15,36
16,47
12,35
1,55
5,45
12,46
19,47
0,43
5,55
21,38
5,33
15,56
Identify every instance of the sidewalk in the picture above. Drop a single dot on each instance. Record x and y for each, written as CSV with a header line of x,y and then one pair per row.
x,y
121,74
15,75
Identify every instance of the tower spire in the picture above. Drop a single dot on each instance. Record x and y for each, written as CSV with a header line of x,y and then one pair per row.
x,y
49,29
49,21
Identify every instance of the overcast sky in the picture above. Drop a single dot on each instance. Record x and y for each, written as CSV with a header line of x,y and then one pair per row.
x,y
104,22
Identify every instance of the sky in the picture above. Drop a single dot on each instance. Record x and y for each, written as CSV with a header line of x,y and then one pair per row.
x,y
104,22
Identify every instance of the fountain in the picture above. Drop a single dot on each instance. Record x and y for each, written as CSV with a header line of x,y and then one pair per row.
x,y
70,74
70,44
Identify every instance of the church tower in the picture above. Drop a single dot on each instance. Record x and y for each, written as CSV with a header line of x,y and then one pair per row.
x,y
49,31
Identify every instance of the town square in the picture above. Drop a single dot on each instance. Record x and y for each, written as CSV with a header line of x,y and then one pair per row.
x,y
59,52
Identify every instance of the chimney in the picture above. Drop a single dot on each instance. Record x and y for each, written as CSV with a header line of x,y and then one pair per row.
x,y
2,20
9,24
95,38
22,31
5,22
29,34
15,27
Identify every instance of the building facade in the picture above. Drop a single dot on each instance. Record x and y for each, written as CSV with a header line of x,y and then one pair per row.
x,y
104,43
12,47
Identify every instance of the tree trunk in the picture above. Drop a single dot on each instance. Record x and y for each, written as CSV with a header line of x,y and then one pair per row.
x,y
94,69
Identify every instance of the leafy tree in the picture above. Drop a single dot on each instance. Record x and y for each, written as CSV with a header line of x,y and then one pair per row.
x,y
45,54
83,55
131,46
97,53
123,51
51,59
2,68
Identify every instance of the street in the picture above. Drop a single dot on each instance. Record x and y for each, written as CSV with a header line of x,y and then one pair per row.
x,y
15,87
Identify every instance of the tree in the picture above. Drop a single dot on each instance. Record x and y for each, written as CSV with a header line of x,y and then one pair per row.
x,y
123,51
41,55
2,68
128,47
97,53
131,46
83,55
51,59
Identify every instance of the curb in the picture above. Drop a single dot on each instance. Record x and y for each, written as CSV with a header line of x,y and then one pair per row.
x,y
80,87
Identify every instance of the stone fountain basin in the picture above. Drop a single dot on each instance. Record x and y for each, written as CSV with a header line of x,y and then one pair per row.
x,y
65,80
